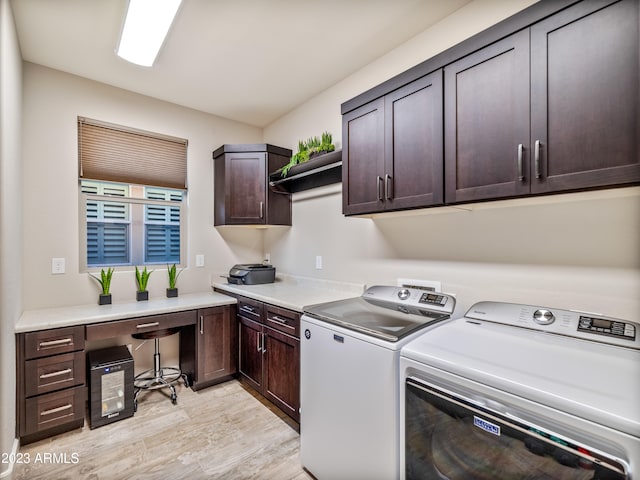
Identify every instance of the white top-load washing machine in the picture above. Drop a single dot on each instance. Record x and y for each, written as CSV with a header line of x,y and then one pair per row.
x,y
349,365
514,391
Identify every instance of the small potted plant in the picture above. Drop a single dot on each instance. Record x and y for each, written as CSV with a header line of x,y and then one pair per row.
x,y
142,278
173,273
105,283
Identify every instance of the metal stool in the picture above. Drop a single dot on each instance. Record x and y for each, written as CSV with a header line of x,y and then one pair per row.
x,y
158,377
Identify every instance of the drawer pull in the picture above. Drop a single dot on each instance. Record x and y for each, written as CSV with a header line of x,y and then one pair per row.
x,y
248,309
201,324
56,410
55,374
279,319
53,343
147,325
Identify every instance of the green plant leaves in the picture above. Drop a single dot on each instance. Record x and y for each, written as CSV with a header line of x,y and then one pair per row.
x,y
307,149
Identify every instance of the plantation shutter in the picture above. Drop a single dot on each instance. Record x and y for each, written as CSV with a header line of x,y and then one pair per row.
x,y
118,154
107,225
162,227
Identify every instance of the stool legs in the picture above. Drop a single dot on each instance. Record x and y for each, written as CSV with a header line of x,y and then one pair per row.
x,y
158,377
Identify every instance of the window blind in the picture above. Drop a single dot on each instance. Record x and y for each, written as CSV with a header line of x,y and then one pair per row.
x,y
118,154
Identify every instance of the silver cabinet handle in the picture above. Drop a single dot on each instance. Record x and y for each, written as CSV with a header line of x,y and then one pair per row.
x,y
387,187
261,209
536,156
380,188
201,324
53,343
520,159
258,347
56,410
55,374
279,319
264,348
248,309
146,325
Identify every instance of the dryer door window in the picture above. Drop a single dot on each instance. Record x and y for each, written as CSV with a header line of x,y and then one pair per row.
x,y
447,437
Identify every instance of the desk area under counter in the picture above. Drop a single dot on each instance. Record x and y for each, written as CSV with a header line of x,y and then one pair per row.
x,y
51,346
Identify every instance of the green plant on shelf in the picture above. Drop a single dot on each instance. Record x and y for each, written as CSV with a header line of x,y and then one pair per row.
x,y
308,149
142,278
173,273
104,280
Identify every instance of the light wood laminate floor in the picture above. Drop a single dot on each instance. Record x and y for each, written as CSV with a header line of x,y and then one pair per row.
x,y
222,432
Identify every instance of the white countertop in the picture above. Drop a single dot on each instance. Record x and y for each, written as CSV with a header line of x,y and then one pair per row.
x,y
42,319
295,293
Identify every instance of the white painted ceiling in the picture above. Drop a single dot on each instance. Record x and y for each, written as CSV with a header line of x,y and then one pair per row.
x,y
247,60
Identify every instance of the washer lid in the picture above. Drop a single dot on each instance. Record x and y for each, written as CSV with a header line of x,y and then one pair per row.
x,y
388,313
594,381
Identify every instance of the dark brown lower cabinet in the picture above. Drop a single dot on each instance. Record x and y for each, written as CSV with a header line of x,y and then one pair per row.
x,y
50,382
281,376
270,353
208,351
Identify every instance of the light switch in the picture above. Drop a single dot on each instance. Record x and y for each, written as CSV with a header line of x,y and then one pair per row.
x,y
200,260
57,266
318,262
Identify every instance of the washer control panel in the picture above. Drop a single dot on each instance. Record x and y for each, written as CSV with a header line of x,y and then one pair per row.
x,y
433,299
586,326
405,298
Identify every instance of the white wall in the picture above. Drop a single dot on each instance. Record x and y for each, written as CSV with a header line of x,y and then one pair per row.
x,y
52,102
575,251
10,222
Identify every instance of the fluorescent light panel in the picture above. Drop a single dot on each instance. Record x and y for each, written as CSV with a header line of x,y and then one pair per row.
x,y
145,29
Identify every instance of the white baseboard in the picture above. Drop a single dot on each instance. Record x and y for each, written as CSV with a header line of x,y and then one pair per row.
x,y
8,473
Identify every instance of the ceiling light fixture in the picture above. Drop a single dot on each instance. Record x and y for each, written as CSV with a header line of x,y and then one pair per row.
x,y
145,28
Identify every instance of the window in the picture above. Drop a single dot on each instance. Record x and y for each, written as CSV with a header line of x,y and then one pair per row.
x,y
132,196
131,224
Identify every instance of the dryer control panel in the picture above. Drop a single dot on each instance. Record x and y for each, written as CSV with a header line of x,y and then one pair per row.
x,y
586,326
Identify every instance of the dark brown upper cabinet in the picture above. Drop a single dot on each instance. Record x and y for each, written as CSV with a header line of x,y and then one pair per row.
x,y
242,195
393,151
570,121
546,101
487,122
585,97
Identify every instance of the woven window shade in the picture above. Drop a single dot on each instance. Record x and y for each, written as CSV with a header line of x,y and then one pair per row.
x,y
117,154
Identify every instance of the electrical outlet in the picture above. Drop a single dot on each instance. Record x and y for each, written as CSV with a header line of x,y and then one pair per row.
x,y
318,262
200,260
57,266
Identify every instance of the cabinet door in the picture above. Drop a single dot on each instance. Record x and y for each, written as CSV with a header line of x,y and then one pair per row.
x,y
363,159
217,344
414,144
251,352
585,117
486,120
245,188
282,371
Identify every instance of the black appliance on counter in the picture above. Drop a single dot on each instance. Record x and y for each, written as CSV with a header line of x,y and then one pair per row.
x,y
110,385
251,274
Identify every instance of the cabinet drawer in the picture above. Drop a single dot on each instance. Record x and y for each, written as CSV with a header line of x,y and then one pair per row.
x,y
152,323
43,375
51,342
249,308
283,320
54,409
